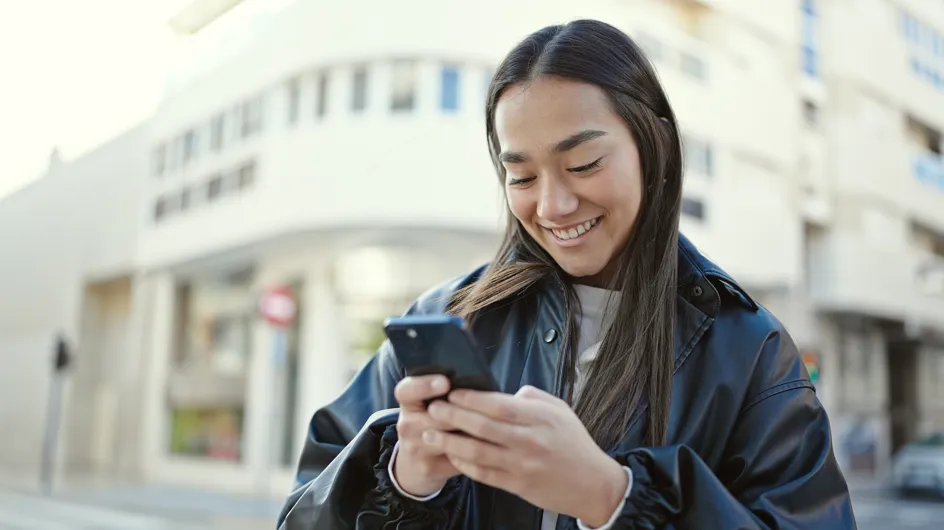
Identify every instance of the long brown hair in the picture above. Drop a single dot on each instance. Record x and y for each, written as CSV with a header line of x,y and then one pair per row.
x,y
635,359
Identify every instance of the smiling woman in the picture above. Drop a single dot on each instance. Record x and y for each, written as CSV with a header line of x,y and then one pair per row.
x,y
642,386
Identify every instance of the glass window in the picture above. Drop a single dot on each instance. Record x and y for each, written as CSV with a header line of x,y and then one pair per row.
x,y
693,66
189,146
404,86
693,208
321,97
160,208
209,432
449,97
699,155
215,188
218,132
251,117
293,94
160,159
359,89
809,56
247,175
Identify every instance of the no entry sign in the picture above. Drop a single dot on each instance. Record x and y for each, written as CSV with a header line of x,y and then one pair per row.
x,y
278,307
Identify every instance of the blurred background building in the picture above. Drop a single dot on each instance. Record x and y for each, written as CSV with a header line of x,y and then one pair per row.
x,y
304,144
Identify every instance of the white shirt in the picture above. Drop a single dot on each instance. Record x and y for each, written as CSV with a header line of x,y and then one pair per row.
x,y
593,324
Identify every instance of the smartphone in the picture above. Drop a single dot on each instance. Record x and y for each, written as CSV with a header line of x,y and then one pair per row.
x,y
439,344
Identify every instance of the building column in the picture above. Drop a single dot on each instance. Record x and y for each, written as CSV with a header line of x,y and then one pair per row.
x,y
155,341
325,335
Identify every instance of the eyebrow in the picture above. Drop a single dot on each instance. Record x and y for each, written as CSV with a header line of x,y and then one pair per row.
x,y
572,141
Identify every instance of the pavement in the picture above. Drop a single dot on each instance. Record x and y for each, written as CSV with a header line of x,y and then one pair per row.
x,y
142,507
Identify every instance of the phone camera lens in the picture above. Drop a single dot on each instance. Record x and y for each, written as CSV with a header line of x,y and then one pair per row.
x,y
411,333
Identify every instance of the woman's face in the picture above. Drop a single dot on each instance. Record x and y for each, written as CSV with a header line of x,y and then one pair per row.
x,y
573,174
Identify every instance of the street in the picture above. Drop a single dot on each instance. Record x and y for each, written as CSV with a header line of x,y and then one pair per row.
x,y
20,511
886,513
32,512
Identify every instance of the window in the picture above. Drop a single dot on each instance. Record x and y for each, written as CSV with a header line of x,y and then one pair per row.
x,y
449,97
692,66
217,132
321,97
404,86
293,93
160,208
650,45
173,154
809,56
215,187
810,114
189,146
251,117
699,156
213,338
359,89
160,159
693,208
247,174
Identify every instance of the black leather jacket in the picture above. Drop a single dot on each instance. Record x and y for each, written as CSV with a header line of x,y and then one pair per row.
x,y
749,442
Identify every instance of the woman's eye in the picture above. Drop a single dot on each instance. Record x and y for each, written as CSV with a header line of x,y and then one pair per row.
x,y
519,182
583,169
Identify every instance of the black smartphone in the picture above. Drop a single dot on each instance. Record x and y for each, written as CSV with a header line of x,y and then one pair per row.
x,y
439,344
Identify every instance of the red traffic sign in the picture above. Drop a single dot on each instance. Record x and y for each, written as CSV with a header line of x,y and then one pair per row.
x,y
278,306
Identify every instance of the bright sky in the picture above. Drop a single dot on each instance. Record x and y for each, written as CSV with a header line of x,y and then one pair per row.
x,y
76,72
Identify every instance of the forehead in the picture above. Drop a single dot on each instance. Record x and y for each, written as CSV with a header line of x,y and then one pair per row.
x,y
538,114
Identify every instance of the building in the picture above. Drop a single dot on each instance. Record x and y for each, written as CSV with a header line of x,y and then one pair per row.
x,y
69,245
343,156
873,105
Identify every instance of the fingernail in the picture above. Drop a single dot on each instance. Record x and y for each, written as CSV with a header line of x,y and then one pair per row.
x,y
438,384
431,437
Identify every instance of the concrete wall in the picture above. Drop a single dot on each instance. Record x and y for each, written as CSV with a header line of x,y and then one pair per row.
x,y
69,226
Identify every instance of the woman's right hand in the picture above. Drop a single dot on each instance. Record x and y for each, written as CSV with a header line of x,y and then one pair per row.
x,y
419,469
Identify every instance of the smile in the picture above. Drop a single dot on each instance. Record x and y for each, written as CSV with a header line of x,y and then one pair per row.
x,y
574,233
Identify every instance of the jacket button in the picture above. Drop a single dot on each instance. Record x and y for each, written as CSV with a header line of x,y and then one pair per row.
x,y
697,291
550,335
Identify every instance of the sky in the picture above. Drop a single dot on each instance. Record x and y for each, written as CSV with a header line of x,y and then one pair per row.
x,y
76,72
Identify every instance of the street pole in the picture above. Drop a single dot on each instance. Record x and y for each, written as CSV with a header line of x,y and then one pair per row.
x,y
278,307
50,447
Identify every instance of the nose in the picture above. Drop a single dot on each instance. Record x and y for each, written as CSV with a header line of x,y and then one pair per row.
x,y
557,200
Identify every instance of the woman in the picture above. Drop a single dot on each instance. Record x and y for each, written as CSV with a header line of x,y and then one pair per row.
x,y
653,391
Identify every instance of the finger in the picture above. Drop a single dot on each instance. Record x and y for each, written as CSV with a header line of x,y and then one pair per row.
x,y
475,423
496,478
535,393
411,392
469,449
412,424
500,406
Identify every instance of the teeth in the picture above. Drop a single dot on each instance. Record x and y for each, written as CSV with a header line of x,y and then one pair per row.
x,y
575,232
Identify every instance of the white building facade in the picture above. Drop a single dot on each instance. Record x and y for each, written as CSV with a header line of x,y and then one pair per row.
x,y
341,154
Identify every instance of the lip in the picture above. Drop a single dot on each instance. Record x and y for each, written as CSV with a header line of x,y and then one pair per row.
x,y
574,241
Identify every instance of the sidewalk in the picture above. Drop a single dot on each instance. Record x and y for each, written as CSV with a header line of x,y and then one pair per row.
x,y
188,506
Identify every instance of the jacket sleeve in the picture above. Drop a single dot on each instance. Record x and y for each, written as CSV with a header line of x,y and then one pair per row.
x,y
779,470
342,480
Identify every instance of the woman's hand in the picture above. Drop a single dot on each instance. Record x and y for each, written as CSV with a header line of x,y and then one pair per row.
x,y
530,444
419,469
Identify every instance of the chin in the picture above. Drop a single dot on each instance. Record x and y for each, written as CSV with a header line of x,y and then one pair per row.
x,y
581,270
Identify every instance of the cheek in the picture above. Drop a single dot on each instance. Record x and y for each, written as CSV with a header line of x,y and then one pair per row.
x,y
520,205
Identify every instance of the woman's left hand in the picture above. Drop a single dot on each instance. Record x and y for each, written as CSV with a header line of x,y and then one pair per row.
x,y
530,444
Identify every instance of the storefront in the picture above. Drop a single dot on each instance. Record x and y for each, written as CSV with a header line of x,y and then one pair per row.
x,y
223,410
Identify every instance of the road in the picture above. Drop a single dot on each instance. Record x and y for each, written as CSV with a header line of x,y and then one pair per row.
x,y
32,512
886,513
